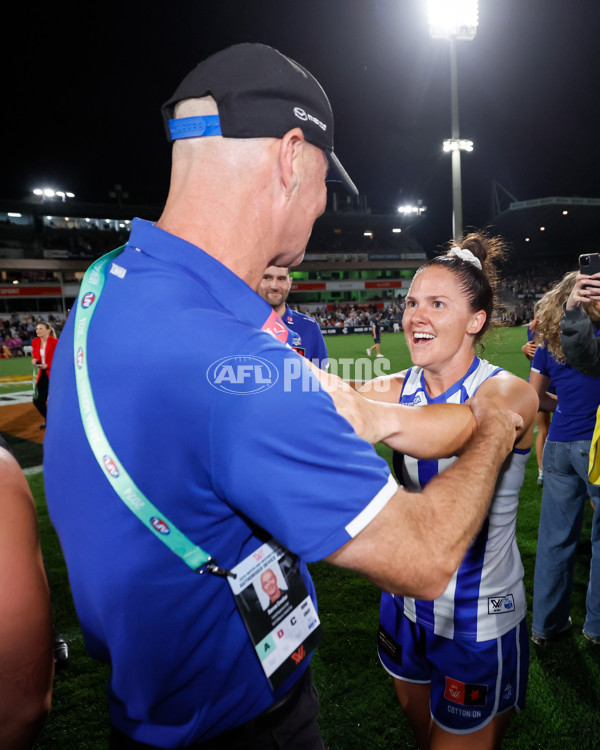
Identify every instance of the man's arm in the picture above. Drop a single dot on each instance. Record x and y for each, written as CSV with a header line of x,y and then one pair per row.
x,y
577,339
26,659
415,544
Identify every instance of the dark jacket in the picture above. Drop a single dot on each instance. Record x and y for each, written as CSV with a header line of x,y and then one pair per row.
x,y
579,343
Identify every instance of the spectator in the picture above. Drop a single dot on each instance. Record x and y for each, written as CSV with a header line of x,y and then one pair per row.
x,y
566,486
43,347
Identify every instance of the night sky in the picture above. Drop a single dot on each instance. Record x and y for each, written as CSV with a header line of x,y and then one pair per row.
x,y
83,87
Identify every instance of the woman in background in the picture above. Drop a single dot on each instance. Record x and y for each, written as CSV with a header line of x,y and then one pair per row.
x,y
542,418
565,465
43,347
460,662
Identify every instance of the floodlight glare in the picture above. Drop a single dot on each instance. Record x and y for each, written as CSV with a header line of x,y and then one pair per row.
x,y
456,19
457,144
50,193
410,209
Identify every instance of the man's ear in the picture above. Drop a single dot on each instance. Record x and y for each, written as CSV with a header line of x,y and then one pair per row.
x,y
290,159
477,321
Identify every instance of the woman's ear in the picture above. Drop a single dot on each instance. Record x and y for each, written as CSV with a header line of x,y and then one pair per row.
x,y
477,321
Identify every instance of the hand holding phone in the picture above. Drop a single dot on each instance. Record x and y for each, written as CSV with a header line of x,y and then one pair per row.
x,y
589,263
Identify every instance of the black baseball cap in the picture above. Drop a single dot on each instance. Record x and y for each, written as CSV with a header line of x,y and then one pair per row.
x,y
260,93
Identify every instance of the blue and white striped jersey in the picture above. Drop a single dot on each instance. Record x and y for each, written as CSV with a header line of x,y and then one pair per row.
x,y
486,596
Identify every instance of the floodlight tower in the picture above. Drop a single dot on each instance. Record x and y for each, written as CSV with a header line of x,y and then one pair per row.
x,y
455,20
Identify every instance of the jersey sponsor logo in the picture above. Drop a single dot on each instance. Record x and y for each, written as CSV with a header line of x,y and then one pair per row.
x,y
416,400
161,526
465,693
110,466
242,375
498,605
300,349
88,299
79,358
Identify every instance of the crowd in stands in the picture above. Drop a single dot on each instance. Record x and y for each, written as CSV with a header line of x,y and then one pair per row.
x,y
16,333
353,314
519,291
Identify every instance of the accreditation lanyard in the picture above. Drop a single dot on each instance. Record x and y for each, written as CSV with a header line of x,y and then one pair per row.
x,y
124,486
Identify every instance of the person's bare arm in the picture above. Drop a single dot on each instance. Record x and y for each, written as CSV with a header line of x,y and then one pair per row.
x,y
540,383
432,431
26,659
414,545
513,393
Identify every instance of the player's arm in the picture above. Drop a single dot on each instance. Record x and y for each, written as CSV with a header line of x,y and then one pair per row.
x,y
26,659
432,431
510,392
415,544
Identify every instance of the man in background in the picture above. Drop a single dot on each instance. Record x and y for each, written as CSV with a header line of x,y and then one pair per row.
x,y
376,332
307,340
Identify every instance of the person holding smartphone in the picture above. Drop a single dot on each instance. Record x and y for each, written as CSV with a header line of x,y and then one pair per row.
x,y
565,464
578,337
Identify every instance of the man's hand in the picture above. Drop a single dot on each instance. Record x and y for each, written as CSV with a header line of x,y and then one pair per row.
x,y
494,423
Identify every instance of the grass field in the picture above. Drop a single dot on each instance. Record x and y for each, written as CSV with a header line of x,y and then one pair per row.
x,y
358,710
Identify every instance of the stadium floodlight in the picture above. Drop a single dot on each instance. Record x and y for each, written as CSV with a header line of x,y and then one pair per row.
x,y
411,210
50,193
457,144
64,195
454,20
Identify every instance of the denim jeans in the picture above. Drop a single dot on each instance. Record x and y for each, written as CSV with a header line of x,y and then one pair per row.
x,y
566,490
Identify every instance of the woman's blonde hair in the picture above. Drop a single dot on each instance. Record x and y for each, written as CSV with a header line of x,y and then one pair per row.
x,y
549,310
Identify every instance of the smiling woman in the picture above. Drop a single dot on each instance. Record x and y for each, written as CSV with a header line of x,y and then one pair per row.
x,y
454,659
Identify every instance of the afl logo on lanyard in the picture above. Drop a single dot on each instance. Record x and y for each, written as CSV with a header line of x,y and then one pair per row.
x,y
110,466
160,525
88,300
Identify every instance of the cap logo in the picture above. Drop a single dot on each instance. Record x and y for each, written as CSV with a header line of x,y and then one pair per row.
x,y
304,116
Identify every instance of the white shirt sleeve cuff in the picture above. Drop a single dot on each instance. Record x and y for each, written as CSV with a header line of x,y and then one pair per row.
x,y
377,504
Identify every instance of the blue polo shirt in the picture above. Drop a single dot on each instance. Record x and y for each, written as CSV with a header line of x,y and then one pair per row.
x,y
214,454
307,338
578,398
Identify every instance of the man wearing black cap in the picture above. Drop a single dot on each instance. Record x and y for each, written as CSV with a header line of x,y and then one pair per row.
x,y
189,443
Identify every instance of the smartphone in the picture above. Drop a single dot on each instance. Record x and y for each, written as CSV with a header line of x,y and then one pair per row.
x,y
589,263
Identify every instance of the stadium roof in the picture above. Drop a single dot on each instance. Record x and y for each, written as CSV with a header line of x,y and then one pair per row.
x,y
547,227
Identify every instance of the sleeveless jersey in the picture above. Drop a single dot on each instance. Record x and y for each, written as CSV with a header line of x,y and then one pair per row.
x,y
486,596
